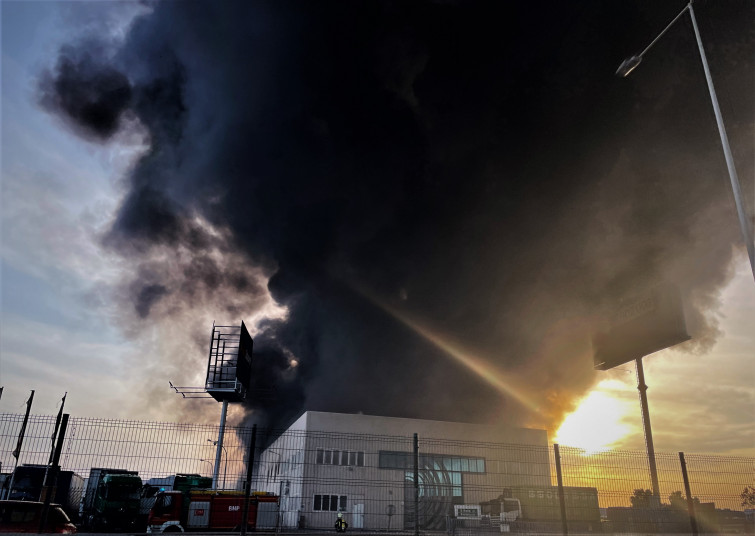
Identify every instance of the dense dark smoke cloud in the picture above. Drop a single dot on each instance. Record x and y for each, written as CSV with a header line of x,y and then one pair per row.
x,y
88,92
473,166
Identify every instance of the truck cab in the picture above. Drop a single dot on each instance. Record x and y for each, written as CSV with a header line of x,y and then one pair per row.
x,y
183,482
165,515
116,503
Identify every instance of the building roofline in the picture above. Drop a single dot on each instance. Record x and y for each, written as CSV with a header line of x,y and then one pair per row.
x,y
407,419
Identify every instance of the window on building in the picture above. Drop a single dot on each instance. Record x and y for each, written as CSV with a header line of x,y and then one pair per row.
x,y
405,460
394,460
339,457
330,503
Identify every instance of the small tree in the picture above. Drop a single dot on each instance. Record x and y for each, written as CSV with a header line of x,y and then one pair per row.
x,y
748,496
677,500
641,498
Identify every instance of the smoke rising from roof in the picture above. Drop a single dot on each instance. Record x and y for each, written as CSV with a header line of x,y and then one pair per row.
x,y
478,169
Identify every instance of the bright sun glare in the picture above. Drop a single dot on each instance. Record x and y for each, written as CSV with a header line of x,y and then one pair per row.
x,y
596,425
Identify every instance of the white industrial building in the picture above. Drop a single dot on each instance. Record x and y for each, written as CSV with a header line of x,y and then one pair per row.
x,y
363,466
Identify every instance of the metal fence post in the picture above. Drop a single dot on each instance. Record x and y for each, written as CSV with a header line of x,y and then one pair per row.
x,y
248,486
690,502
51,482
416,485
561,498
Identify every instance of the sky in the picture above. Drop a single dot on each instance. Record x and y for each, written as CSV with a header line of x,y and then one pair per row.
x,y
421,209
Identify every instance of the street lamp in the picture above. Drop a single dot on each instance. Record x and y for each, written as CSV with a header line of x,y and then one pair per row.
x,y
631,63
207,461
225,470
626,67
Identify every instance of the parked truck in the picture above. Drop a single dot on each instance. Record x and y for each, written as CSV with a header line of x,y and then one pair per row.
x,y
210,510
111,501
531,509
28,480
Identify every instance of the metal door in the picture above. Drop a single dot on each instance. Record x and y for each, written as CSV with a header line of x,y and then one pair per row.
x,y
357,516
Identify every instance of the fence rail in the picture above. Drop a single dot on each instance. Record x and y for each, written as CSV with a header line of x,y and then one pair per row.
x,y
462,487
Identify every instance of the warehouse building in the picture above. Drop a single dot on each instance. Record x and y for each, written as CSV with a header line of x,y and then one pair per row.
x,y
363,467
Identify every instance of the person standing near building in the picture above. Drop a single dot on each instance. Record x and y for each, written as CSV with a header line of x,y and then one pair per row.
x,y
341,524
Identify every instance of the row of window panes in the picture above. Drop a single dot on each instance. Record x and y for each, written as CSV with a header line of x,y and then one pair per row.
x,y
330,503
405,460
339,457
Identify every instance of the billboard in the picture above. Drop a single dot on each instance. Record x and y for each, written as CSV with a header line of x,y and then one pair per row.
x,y
244,370
649,323
229,367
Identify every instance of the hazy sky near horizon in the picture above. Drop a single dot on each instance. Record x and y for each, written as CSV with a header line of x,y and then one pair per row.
x,y
63,290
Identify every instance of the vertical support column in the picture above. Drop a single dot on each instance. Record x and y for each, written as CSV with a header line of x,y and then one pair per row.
x,y
416,485
248,487
51,484
219,450
561,497
642,388
690,502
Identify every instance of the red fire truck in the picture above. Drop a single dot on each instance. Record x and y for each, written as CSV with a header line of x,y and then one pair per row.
x,y
210,510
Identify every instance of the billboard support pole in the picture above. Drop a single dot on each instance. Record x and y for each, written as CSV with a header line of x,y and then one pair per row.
x,y
642,388
219,450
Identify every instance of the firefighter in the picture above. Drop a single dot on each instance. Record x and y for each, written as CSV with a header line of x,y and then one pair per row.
x,y
341,524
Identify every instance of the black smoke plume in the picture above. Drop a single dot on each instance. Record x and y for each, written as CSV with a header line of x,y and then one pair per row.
x,y
471,167
85,90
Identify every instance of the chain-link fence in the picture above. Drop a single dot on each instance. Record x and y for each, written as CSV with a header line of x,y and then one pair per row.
x,y
398,483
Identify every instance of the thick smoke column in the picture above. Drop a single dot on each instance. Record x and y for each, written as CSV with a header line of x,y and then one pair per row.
x,y
475,168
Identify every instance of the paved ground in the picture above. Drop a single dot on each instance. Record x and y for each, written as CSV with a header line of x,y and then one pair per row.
x,y
386,533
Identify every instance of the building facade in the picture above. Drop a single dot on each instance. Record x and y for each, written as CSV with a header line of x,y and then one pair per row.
x,y
363,467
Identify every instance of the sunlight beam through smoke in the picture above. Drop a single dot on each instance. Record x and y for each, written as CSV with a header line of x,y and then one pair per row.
x,y
475,364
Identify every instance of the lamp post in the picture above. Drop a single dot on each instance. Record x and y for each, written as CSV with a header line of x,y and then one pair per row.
x,y
207,461
626,67
631,63
225,470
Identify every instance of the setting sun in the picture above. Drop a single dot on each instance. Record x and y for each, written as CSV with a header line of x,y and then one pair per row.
x,y
596,425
